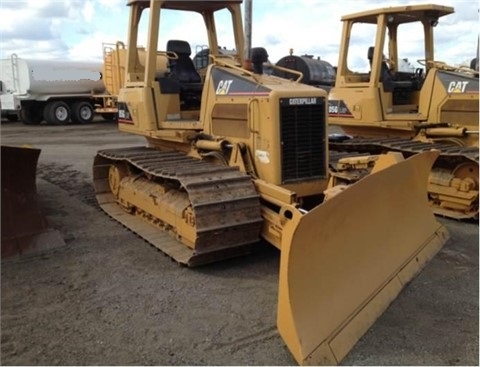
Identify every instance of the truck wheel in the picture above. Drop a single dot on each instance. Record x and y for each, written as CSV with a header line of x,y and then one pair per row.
x,y
30,115
82,112
108,116
57,112
13,117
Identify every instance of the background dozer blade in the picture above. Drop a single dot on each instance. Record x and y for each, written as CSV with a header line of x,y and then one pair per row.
x,y
345,261
24,228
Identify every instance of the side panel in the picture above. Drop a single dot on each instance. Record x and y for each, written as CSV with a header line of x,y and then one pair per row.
x,y
137,114
9,102
354,106
455,100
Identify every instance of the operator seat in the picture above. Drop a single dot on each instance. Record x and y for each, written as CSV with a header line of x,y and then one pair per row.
x,y
385,76
183,70
401,89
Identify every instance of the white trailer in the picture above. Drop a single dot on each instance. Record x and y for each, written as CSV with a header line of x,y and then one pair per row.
x,y
55,91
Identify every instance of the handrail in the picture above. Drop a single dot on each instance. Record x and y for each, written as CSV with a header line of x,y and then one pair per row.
x,y
250,106
299,73
217,60
16,79
444,66
227,64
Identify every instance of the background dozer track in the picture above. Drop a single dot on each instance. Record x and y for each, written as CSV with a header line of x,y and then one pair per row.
x,y
451,190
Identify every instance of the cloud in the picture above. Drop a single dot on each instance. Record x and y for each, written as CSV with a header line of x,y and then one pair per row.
x,y
314,27
77,28
60,25
112,5
88,11
56,9
29,31
48,50
91,48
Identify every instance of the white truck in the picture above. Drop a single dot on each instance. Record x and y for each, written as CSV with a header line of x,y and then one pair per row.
x,y
57,92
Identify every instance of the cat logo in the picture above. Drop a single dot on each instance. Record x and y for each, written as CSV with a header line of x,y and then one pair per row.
x,y
457,87
223,87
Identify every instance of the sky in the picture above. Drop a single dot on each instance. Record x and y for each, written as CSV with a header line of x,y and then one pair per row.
x,y
76,29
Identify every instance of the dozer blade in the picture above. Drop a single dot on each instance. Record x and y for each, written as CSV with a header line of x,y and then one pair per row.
x,y
24,228
345,261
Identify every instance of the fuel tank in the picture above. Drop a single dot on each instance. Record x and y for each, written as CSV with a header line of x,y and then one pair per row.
x,y
316,72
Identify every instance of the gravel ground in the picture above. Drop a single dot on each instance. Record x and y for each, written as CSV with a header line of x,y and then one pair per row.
x,y
108,298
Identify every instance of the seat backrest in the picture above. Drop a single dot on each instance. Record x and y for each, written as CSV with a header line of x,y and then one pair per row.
x,y
370,51
183,67
385,75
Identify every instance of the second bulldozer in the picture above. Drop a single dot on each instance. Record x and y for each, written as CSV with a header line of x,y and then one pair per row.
x,y
388,108
241,155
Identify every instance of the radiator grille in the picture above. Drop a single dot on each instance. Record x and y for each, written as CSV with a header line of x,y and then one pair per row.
x,y
302,129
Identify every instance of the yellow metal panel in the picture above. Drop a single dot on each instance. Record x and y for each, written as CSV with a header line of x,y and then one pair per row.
x,y
339,262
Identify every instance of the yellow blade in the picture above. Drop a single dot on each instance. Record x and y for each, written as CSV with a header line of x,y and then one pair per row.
x,y
345,261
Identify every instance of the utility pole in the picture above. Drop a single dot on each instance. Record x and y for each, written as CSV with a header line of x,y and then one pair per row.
x,y
248,33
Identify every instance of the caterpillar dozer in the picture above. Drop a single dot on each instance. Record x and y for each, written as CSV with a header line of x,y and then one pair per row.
x,y
388,108
243,155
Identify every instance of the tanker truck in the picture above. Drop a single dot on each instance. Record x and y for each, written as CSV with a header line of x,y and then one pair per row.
x,y
57,92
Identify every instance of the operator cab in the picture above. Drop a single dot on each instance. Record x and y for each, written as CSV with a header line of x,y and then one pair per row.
x,y
162,89
386,77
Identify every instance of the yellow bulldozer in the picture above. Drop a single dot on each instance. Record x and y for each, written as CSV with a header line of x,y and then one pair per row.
x,y
386,106
242,155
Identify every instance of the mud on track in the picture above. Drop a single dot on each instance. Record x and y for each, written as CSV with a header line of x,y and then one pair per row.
x,y
107,297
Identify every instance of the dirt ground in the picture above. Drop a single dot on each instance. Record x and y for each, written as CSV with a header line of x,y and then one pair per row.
x,y
108,298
